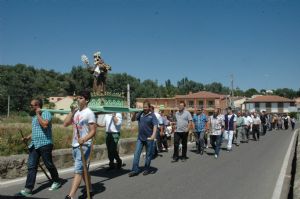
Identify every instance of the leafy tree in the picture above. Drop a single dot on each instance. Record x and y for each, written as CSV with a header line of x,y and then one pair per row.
x,y
118,83
286,92
22,83
250,92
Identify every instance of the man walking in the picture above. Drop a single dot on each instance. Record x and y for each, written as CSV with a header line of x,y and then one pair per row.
x,y
113,123
200,121
41,146
215,126
264,120
183,125
147,127
256,127
84,129
230,127
240,129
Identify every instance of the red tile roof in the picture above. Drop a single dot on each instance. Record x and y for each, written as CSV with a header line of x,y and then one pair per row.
x,y
201,94
269,98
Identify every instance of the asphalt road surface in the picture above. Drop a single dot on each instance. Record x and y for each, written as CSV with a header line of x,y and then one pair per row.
x,y
250,171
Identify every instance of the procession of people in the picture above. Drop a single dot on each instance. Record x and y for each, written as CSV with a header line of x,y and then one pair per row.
x,y
154,130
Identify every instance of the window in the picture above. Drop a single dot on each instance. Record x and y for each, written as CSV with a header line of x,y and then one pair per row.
x,y
210,103
256,105
268,104
191,103
280,104
200,103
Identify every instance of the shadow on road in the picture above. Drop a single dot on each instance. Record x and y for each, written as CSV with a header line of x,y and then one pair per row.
x,y
102,172
97,188
47,185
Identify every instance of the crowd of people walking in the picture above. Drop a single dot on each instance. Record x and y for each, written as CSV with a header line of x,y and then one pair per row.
x,y
155,129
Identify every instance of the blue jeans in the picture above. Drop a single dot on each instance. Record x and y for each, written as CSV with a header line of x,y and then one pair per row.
x,y
138,150
33,161
78,164
200,140
215,141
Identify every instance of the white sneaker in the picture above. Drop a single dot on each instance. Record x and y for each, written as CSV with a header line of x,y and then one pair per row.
x,y
216,156
55,186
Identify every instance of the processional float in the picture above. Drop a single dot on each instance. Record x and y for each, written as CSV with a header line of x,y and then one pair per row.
x,y
101,101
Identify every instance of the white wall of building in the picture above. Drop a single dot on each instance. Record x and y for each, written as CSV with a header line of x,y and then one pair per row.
x,y
274,107
250,106
286,107
262,107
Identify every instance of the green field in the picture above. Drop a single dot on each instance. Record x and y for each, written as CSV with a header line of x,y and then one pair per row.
x,y
11,143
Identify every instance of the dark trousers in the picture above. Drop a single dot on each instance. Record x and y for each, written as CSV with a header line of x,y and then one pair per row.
x,y
255,130
180,136
112,140
33,161
247,130
215,141
293,125
264,126
286,125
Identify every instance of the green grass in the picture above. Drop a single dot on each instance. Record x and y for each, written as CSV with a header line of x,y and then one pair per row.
x,y
11,141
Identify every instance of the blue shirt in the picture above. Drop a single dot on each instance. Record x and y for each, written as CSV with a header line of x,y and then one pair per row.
x,y
146,125
200,122
40,136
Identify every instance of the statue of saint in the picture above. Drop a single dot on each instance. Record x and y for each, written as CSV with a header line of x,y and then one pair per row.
x,y
99,71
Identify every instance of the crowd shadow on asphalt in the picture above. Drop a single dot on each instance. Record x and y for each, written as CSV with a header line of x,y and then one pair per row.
x,y
97,188
210,153
108,175
111,174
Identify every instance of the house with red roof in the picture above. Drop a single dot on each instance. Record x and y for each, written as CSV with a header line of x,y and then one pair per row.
x,y
203,99
270,104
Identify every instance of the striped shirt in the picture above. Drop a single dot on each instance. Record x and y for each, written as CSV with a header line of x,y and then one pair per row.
x,y
40,136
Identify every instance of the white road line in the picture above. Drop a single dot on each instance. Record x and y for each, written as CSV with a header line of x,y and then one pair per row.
x,y
279,184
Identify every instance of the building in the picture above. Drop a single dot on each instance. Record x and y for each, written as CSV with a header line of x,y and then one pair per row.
x,y
238,103
297,100
55,99
270,104
62,104
203,99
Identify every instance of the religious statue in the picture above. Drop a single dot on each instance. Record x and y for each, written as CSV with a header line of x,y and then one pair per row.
x,y
99,71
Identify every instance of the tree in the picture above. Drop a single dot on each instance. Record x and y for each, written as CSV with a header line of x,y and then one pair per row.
x,y
185,86
286,92
118,83
250,92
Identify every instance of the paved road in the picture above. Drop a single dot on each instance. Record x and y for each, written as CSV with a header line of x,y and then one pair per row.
x,y
249,171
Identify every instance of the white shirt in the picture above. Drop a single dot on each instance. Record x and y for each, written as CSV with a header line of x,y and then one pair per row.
x,y
229,117
216,124
110,125
81,121
256,120
159,119
248,120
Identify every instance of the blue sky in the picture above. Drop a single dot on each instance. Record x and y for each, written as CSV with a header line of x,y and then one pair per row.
x,y
258,41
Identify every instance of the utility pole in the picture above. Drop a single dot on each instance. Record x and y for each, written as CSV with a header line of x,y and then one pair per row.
x,y
128,105
231,93
8,102
231,80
